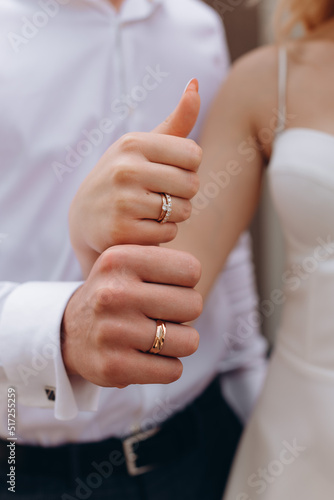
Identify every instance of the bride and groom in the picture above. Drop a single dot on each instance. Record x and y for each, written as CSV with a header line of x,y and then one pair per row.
x,y
285,451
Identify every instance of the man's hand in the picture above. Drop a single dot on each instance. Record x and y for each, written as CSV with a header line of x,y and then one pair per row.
x,y
119,202
109,325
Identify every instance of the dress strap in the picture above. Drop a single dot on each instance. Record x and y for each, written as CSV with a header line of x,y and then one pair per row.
x,y
282,88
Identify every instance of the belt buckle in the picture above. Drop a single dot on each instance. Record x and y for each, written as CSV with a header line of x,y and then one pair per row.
x,y
130,455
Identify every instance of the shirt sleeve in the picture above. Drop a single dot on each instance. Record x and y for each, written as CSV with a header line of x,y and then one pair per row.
x,y
220,46
245,365
30,351
225,59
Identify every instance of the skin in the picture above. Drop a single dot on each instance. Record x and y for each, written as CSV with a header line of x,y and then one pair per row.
x,y
108,324
129,179
116,3
239,116
244,111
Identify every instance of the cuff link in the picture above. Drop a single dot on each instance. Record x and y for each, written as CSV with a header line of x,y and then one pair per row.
x,y
50,393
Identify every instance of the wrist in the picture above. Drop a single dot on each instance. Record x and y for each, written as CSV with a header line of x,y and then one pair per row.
x,y
87,258
68,324
85,255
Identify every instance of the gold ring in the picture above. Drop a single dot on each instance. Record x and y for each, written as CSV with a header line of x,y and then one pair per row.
x,y
159,339
166,208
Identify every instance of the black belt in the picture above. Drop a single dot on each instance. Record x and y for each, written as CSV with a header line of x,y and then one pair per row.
x,y
132,456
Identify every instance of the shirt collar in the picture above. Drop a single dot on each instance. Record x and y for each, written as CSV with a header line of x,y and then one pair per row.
x,y
131,10
135,10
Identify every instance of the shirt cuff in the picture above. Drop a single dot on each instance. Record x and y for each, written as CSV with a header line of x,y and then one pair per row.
x,y
30,351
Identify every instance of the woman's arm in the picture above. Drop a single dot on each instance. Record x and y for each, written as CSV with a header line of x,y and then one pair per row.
x,y
116,209
232,165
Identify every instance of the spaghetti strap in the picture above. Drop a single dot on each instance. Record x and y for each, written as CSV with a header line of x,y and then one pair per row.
x,y
282,88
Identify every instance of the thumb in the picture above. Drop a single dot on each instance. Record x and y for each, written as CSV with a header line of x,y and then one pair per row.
x,y
181,122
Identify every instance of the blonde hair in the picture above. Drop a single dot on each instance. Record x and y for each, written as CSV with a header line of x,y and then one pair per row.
x,y
308,13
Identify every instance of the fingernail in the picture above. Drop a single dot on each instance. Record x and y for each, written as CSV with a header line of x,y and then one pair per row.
x,y
192,85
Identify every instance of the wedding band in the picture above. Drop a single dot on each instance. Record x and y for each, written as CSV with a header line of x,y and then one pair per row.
x,y
166,208
159,339
163,211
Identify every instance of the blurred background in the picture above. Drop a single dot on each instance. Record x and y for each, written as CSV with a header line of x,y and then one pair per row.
x,y
248,27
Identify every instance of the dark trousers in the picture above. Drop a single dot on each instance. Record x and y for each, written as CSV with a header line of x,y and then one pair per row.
x,y
200,474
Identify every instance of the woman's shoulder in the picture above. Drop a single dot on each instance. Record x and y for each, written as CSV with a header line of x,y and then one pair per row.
x,y
252,92
258,66
254,78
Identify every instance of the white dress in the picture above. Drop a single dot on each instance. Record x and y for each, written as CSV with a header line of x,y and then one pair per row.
x,y
287,451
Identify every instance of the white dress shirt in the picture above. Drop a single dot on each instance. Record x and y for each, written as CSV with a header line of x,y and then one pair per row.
x,y
74,76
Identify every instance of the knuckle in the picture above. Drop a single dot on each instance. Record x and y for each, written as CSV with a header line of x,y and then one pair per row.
x,y
106,261
103,297
114,258
130,142
116,297
122,257
123,173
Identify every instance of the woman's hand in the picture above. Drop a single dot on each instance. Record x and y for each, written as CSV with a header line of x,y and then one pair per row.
x,y
120,201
